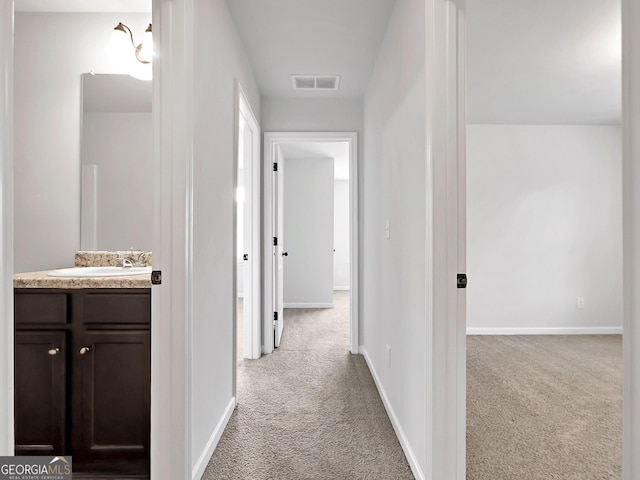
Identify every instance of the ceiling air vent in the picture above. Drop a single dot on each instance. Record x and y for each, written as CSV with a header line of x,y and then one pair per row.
x,y
315,82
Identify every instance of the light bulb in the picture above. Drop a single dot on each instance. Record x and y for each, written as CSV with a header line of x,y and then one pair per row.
x,y
141,71
119,47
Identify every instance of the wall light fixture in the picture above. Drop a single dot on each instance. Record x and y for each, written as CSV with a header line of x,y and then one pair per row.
x,y
137,59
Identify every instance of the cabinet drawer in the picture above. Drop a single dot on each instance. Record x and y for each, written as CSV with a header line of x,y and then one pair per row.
x,y
40,308
116,308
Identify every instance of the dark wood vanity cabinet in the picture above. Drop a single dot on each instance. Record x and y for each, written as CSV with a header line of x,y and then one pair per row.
x,y
83,378
40,392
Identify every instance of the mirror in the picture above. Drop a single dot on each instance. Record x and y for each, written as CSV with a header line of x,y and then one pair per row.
x,y
117,156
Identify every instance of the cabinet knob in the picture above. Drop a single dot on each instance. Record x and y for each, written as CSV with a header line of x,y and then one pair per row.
x,y
84,350
53,351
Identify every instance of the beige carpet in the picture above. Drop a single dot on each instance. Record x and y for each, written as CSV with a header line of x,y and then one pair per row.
x,y
544,407
309,411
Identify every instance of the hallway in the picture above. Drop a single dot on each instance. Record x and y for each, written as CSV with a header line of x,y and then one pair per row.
x,y
309,411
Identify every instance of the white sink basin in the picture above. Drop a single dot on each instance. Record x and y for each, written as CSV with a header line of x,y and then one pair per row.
x,y
84,272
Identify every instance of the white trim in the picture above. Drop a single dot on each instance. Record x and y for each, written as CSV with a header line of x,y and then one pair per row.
x,y
460,40
546,331
212,443
445,240
342,289
309,305
172,302
354,238
271,139
402,438
631,237
6,230
253,331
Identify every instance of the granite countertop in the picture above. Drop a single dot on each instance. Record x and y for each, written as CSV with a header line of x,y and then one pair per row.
x,y
41,280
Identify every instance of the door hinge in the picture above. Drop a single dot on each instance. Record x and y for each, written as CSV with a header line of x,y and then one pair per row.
x,y
156,277
245,257
275,316
462,280
275,241
275,167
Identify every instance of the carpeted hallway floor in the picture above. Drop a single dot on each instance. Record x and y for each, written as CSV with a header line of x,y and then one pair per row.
x,y
309,411
544,407
538,408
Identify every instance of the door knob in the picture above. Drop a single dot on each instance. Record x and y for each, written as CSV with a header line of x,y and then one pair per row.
x,y
53,351
84,350
285,254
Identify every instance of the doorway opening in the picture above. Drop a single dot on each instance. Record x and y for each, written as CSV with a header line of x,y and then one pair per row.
x,y
310,228
556,209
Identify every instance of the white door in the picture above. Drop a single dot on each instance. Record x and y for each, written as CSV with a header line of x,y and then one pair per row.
x,y
244,209
308,233
278,253
249,211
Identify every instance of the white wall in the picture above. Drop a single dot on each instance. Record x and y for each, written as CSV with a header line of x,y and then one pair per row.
x,y
544,228
308,232
341,262
52,50
220,60
121,145
393,271
312,114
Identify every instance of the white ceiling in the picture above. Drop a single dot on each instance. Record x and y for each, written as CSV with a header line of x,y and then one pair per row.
x,y
84,6
339,151
544,61
284,37
528,61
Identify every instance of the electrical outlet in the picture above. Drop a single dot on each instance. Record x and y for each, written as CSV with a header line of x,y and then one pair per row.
x,y
580,303
388,356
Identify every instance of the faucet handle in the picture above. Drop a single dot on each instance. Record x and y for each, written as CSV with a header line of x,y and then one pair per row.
x,y
141,258
126,263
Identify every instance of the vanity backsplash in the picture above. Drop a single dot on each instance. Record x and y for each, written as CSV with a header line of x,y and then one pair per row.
x,y
110,259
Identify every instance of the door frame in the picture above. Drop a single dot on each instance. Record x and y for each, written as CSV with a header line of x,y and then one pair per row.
x,y
631,237
271,141
445,237
172,301
253,331
6,231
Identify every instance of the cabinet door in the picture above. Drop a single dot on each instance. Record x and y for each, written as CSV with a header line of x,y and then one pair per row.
x,y
40,393
112,418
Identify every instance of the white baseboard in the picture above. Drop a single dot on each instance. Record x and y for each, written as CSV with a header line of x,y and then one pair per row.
x,y
404,443
342,289
547,331
308,305
205,456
